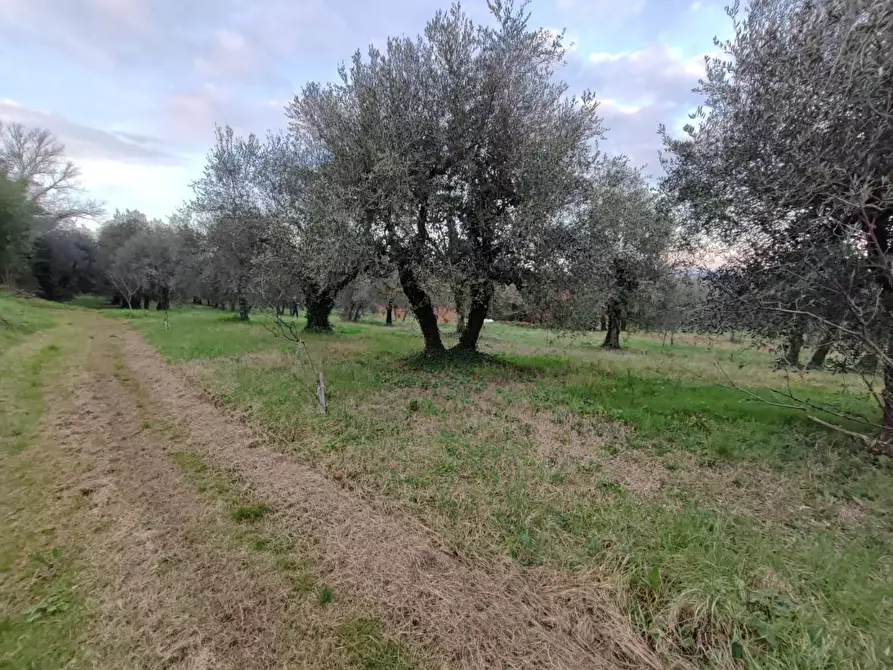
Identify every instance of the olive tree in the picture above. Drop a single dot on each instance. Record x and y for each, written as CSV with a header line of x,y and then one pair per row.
x,y
122,265
226,206
317,242
620,250
460,150
789,164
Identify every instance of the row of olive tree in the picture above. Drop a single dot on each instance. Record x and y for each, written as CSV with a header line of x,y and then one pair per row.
x,y
453,164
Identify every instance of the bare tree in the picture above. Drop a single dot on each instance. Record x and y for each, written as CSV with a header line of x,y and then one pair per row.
x,y
35,157
127,271
123,267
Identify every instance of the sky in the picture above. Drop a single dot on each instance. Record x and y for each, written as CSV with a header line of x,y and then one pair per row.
x,y
133,88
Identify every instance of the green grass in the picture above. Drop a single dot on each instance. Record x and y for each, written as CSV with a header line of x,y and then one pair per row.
x,y
738,529
91,302
369,649
20,318
250,512
41,610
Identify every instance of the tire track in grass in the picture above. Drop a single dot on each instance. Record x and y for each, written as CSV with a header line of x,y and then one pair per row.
x,y
187,581
469,615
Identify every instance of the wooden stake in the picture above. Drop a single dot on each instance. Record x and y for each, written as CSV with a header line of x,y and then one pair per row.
x,y
321,393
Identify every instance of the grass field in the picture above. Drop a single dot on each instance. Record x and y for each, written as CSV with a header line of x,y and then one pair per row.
x,y
732,533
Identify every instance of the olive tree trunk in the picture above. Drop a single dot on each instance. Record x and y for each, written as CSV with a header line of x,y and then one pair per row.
x,y
422,307
244,308
792,348
817,361
461,306
614,318
164,300
319,308
389,313
481,295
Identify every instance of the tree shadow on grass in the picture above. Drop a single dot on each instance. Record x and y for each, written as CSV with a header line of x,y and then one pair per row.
x,y
459,362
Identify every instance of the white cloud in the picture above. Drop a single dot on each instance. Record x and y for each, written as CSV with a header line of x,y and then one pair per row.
x,y
607,104
149,64
155,190
230,56
639,90
88,142
605,57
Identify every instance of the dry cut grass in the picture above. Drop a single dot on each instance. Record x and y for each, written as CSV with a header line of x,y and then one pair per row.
x,y
466,612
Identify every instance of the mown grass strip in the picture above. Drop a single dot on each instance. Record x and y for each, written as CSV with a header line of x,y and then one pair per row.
x,y
42,610
363,639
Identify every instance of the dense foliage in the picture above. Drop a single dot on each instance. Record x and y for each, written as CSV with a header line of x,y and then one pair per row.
x,y
790,169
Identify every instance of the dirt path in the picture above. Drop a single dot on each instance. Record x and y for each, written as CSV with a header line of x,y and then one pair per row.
x,y
176,594
171,591
471,616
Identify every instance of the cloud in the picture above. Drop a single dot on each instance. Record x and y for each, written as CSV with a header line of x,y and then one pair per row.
x,y
639,90
155,190
230,57
85,142
121,168
605,57
192,115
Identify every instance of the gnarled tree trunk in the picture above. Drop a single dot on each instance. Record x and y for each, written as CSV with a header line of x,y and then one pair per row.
x,y
461,306
615,316
244,308
146,301
817,361
481,295
318,307
791,352
423,309
389,313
